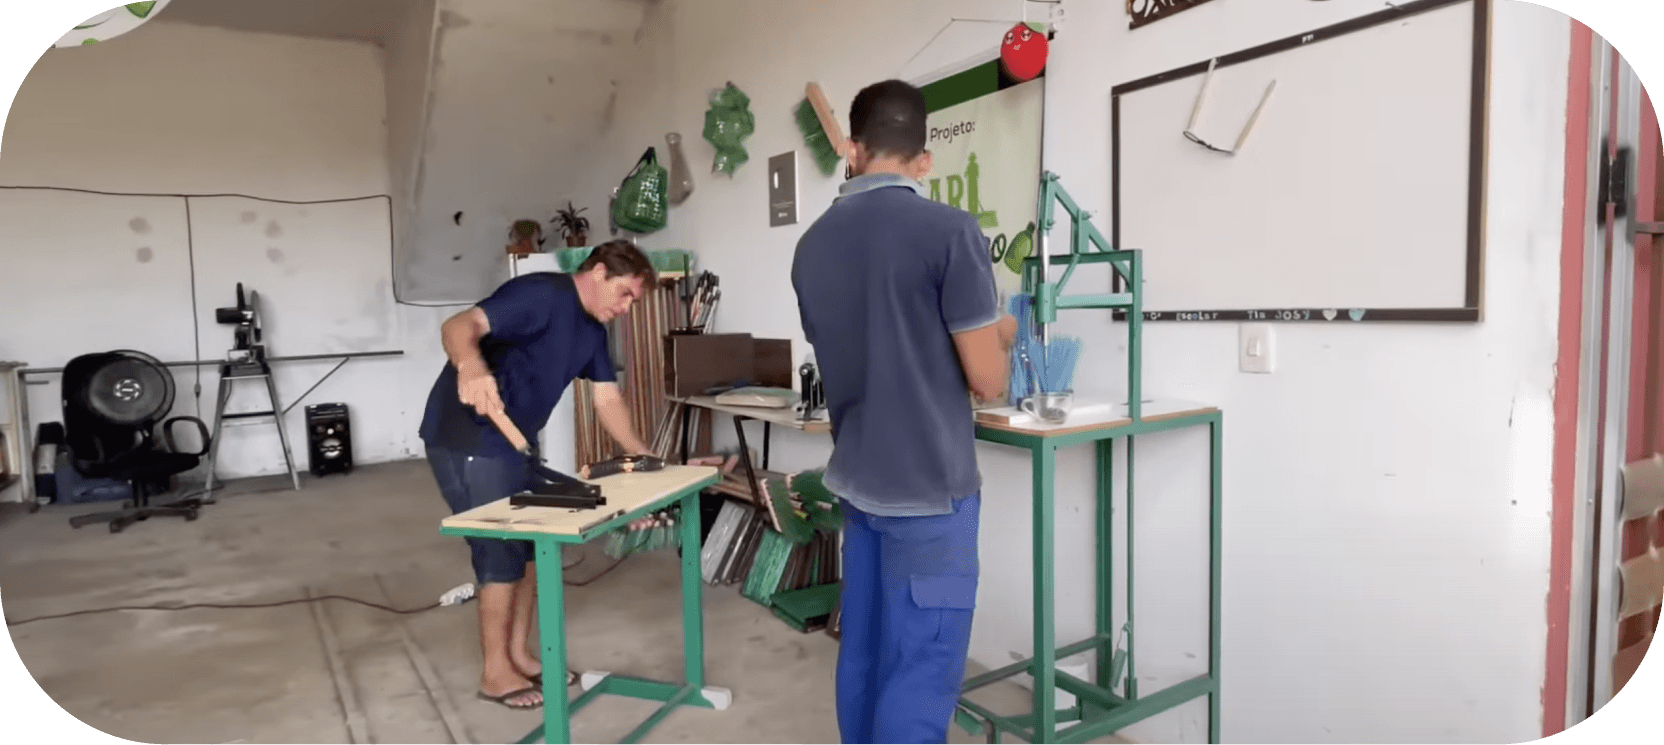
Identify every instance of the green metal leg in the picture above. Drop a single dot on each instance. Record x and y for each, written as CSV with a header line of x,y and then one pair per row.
x,y
693,611
1216,601
557,709
1130,691
1106,561
1044,668
1101,711
551,612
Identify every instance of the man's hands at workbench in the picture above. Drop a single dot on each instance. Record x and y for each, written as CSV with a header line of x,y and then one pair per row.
x,y
477,388
1007,326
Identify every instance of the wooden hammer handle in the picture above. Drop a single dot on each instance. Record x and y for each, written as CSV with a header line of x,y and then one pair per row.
x,y
506,426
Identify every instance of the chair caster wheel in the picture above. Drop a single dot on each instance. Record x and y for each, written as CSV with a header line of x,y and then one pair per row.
x,y
189,516
116,527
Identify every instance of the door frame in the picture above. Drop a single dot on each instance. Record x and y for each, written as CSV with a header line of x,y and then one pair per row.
x,y
1606,108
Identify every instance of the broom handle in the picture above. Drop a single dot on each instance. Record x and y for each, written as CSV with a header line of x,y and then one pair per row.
x,y
823,110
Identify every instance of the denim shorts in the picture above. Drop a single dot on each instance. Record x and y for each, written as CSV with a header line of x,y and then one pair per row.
x,y
469,481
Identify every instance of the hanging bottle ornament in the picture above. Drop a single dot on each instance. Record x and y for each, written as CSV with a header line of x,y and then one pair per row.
x,y
1023,53
681,179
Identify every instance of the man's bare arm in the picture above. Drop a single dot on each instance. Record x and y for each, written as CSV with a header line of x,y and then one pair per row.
x,y
985,354
614,414
460,335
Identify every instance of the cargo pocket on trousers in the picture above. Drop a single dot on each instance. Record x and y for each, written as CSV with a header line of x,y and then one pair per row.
x,y
945,604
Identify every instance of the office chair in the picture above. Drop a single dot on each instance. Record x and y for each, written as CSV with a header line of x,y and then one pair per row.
x,y
112,402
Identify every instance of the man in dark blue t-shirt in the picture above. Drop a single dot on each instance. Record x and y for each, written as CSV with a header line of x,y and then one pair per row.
x,y
516,352
897,297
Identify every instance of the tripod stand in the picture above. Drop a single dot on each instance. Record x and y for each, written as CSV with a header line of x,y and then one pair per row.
x,y
246,361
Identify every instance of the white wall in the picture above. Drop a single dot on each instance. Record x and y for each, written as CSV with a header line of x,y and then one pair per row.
x,y
1386,527
521,91
408,64
176,109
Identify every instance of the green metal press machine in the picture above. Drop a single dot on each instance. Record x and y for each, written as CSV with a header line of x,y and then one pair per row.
x,y
1111,701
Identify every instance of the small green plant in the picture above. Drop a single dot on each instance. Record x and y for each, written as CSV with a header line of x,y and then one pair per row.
x,y
574,227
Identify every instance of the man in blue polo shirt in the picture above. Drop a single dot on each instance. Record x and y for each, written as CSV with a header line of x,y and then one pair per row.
x,y
516,352
897,297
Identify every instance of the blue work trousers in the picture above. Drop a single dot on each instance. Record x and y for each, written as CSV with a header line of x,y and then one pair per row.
x,y
909,591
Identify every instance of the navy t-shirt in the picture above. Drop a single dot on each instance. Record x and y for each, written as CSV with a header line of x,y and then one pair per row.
x,y
541,340
884,279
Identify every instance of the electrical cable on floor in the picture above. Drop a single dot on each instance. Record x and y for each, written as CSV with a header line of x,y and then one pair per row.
x,y
459,598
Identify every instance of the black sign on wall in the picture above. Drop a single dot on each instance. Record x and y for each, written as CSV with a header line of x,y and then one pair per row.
x,y
1150,11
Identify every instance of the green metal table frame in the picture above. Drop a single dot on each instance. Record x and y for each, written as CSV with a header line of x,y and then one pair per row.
x,y
551,611
1100,708
1112,701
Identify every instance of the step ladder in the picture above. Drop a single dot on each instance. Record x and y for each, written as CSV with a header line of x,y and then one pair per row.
x,y
231,372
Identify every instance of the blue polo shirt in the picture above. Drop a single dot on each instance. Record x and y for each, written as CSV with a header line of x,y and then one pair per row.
x,y
884,279
541,340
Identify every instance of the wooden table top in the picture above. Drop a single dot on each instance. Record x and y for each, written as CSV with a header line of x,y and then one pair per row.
x,y
628,495
1093,418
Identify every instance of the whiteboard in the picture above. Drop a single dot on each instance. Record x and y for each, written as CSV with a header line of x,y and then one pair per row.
x,y
1357,196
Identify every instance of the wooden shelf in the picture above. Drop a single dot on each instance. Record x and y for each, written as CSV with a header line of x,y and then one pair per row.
x,y
784,417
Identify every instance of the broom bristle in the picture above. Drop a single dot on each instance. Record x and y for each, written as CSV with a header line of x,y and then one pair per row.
x,y
814,137
783,517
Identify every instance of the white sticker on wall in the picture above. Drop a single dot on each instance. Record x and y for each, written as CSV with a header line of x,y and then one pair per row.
x,y
111,23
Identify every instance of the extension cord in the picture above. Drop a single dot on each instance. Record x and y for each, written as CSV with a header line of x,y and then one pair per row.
x,y
458,595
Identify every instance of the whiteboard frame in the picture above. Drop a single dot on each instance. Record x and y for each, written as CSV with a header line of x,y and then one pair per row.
x,y
1471,309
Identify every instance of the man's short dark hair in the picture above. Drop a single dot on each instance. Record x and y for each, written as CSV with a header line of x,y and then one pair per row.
x,y
621,258
889,119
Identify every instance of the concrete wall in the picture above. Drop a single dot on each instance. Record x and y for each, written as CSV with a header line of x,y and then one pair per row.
x,y
1387,490
408,63
171,109
1385,583
521,92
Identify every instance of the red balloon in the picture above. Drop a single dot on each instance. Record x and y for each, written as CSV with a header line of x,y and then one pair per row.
x,y
1023,53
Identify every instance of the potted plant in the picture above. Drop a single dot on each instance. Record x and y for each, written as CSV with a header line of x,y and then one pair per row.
x,y
526,236
574,227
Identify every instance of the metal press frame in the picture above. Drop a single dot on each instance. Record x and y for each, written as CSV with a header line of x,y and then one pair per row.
x,y
1112,701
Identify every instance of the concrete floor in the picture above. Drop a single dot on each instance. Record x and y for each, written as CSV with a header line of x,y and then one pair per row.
x,y
334,671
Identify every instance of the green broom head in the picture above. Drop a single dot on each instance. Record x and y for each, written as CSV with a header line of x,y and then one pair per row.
x,y
820,504
814,137
794,527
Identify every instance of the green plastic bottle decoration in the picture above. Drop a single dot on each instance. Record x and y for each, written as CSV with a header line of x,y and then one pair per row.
x,y
1021,247
727,123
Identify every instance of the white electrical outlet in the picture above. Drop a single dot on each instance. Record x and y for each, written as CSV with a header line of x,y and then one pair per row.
x,y
1257,348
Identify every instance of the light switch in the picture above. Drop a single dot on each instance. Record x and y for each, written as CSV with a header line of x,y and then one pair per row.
x,y
782,189
1257,350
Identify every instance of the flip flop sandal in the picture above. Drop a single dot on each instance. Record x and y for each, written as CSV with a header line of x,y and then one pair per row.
x,y
537,680
506,698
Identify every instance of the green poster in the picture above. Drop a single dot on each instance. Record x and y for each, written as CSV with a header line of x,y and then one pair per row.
x,y
984,139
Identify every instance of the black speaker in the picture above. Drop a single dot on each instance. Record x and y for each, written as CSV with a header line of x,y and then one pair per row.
x,y
328,439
